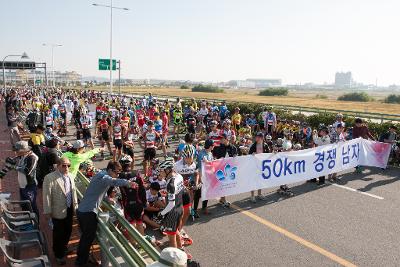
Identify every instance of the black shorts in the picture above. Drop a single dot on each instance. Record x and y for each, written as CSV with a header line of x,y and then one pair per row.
x,y
269,128
128,150
191,129
134,213
186,199
105,136
118,143
86,134
149,153
173,220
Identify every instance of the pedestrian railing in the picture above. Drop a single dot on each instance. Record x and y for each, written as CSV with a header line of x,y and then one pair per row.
x,y
114,240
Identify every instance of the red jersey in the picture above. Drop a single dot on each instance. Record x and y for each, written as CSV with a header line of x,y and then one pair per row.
x,y
150,138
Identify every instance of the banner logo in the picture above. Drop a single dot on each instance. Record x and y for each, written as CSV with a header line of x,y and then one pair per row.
x,y
228,173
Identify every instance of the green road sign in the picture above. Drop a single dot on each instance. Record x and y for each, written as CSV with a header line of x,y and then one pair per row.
x,y
38,81
104,64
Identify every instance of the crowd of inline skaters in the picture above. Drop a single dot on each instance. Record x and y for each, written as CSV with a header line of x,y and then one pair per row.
x,y
166,188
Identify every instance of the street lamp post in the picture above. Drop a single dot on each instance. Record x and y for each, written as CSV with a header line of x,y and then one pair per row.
x,y
52,60
111,7
23,56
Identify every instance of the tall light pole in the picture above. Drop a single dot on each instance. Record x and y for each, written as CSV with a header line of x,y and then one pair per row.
x,y
23,56
52,60
111,7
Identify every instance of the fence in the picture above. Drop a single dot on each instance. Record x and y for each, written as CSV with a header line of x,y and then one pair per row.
x,y
115,246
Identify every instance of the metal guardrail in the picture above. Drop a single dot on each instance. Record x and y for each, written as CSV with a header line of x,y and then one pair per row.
x,y
120,243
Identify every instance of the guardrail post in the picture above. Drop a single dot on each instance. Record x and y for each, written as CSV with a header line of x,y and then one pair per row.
x,y
104,216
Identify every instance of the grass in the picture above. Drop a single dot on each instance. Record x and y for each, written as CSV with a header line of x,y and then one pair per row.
x,y
239,96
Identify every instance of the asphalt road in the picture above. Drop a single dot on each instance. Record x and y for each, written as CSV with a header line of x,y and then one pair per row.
x,y
353,223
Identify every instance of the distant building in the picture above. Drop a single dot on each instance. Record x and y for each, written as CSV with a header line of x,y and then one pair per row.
x,y
261,83
343,79
241,84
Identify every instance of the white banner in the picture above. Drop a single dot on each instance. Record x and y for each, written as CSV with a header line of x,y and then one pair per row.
x,y
231,176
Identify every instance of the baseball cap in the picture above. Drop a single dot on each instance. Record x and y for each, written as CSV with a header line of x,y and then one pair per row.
x,y
260,134
171,257
78,144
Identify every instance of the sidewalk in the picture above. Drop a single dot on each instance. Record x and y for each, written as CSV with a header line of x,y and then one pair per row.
x,y
10,184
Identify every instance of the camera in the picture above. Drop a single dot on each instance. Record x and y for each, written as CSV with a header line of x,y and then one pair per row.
x,y
10,165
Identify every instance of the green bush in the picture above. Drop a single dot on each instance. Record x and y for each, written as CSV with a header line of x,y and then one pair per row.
x,y
184,87
393,99
207,89
314,120
358,97
318,96
274,92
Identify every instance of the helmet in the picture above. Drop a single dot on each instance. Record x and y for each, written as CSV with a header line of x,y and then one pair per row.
x,y
227,121
213,123
167,163
188,151
297,146
287,145
268,137
339,115
125,160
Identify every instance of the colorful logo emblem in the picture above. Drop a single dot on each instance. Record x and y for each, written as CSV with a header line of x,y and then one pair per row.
x,y
229,172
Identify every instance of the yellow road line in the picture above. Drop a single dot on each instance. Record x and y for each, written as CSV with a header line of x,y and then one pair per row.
x,y
296,238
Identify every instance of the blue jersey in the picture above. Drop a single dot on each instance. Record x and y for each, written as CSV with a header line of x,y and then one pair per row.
x,y
158,126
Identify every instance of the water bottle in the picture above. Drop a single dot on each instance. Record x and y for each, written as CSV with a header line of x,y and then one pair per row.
x,y
51,224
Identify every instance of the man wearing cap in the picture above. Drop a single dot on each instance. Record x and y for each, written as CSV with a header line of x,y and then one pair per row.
x,y
171,257
77,155
26,170
59,204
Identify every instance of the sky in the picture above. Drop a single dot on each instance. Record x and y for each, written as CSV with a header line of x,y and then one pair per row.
x,y
297,41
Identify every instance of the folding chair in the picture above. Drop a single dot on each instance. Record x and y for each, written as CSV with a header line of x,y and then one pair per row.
x,y
18,219
5,245
28,235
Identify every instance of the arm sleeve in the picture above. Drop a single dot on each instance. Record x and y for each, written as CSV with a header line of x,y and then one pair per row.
x,y
116,182
90,154
169,207
31,163
171,198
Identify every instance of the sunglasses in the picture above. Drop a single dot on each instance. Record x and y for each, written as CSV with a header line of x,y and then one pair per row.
x,y
66,165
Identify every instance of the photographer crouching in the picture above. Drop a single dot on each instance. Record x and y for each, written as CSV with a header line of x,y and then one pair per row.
x,y
25,164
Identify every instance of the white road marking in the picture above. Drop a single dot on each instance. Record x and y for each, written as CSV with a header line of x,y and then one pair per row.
x,y
358,191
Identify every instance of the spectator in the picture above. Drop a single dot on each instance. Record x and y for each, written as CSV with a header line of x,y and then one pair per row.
x,y
77,155
12,124
320,139
224,150
258,147
37,140
26,169
390,136
59,203
49,159
360,129
204,155
88,207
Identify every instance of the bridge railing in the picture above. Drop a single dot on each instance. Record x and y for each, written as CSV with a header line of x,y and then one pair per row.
x,y
118,237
